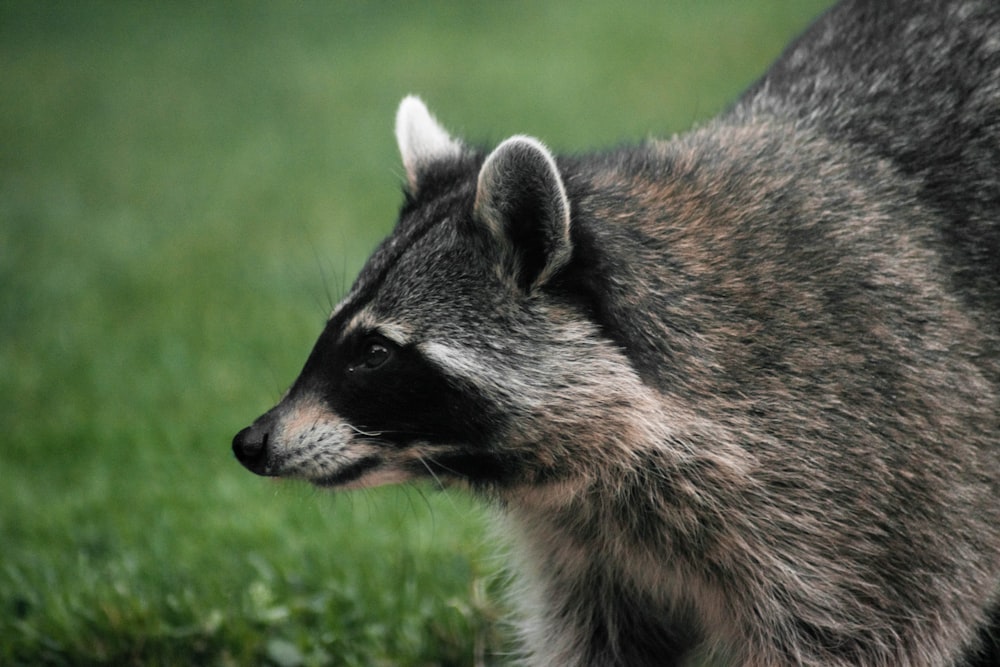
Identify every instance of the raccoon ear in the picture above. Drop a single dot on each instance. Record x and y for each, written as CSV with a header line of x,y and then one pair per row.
x,y
421,139
521,200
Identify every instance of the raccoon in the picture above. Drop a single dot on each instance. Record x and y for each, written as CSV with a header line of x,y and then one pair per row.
x,y
735,395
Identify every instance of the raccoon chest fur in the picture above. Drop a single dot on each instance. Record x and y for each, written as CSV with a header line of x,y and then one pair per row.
x,y
736,395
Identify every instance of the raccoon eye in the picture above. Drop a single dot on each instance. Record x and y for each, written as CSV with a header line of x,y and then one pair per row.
x,y
374,353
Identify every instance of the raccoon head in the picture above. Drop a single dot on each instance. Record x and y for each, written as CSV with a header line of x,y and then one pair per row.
x,y
454,355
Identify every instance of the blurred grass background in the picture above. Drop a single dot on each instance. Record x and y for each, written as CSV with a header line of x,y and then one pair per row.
x,y
185,189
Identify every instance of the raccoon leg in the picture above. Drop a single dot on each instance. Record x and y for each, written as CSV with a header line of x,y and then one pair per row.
x,y
590,620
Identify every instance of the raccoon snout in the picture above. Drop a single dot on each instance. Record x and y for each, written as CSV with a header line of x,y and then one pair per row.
x,y
250,447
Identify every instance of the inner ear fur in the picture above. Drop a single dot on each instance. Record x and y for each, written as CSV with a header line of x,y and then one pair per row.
x,y
521,201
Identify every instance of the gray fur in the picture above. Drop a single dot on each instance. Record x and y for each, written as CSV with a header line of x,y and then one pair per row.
x,y
735,395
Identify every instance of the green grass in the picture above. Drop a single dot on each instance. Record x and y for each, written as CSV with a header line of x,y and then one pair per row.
x,y
184,190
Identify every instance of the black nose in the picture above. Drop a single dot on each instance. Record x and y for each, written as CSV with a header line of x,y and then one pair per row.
x,y
250,446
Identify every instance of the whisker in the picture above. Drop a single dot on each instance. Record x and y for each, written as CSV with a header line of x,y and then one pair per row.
x,y
430,471
410,488
441,487
367,434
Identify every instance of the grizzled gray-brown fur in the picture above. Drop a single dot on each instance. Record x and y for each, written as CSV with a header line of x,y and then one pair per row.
x,y
736,395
